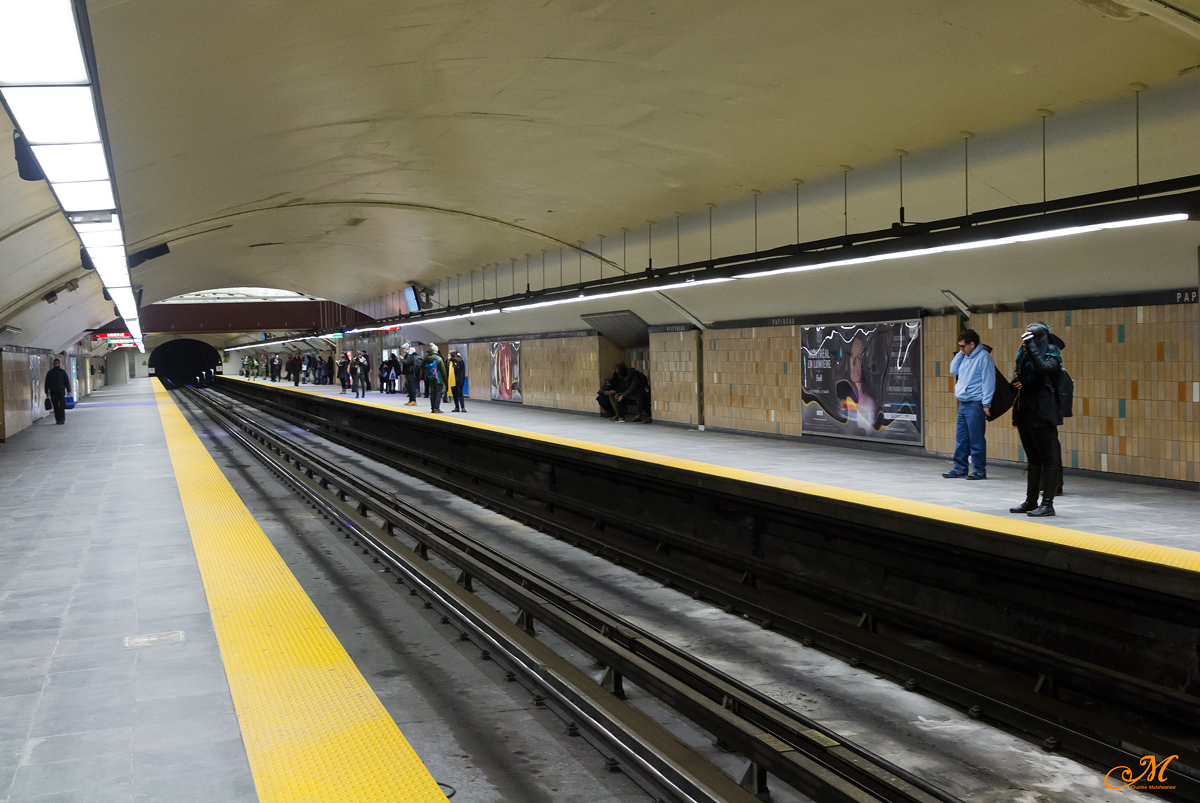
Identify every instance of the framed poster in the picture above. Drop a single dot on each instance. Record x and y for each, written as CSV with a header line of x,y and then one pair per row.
x,y
862,381
506,370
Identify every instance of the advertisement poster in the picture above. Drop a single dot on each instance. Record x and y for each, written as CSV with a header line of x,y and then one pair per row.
x,y
506,370
862,381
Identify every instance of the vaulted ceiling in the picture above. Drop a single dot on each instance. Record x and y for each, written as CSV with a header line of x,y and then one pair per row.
x,y
344,149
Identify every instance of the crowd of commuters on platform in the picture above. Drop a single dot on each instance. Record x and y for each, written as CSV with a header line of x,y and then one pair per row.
x,y
626,388
1040,394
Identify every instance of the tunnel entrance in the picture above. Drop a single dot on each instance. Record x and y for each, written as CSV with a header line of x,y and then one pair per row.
x,y
183,362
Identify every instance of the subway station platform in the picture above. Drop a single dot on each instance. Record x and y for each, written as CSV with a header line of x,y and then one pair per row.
x,y
155,645
1139,512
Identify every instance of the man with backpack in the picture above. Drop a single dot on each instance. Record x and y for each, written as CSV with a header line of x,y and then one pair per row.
x,y
1044,390
435,378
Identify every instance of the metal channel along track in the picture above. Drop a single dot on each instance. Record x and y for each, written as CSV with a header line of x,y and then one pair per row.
x,y
566,494
779,742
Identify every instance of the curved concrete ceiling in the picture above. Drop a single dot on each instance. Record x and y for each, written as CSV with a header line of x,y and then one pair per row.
x,y
343,150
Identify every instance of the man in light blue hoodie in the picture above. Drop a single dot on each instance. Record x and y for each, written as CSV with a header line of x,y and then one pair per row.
x,y
976,383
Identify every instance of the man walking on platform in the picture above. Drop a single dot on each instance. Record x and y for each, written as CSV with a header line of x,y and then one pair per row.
x,y
57,386
976,384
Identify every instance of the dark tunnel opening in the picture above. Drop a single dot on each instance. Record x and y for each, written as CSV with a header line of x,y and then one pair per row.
x,y
184,362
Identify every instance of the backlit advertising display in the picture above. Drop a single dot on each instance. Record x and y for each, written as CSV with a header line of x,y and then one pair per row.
x,y
862,381
506,370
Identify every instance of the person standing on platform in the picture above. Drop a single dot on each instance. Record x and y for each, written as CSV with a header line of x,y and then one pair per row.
x,y
329,371
1037,416
343,372
358,377
435,378
974,389
58,385
458,378
413,366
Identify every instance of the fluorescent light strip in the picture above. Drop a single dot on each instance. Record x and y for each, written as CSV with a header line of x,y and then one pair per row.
x,y
39,43
597,296
94,240
423,321
83,196
54,115
944,249
113,275
83,162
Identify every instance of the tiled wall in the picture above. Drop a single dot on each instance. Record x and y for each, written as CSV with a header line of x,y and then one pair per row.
x,y
479,371
562,373
939,342
1137,395
673,380
21,376
1137,392
752,379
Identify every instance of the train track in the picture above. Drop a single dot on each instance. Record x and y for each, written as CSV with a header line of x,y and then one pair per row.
x,y
779,742
546,495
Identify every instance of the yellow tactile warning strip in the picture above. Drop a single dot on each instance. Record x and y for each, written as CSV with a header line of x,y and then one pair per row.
x,y
1017,527
313,728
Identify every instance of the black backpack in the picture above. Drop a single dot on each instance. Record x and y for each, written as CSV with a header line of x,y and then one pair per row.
x,y
1064,391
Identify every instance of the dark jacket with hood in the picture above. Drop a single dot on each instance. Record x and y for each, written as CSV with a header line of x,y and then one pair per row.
x,y
1037,368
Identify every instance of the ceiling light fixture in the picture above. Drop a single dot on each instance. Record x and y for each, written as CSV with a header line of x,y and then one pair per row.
x,y
47,84
967,246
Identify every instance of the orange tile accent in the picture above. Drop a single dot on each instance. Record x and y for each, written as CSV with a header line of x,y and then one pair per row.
x,y
1108,333
1162,347
1108,426
1122,441
1085,403
1183,391
1133,389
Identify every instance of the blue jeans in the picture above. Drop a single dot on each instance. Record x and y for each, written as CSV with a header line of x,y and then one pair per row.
x,y
970,438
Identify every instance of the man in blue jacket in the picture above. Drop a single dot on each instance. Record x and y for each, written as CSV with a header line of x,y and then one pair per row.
x,y
976,383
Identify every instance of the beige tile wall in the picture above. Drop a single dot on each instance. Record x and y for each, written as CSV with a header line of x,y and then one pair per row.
x,y
1137,392
673,380
939,342
1135,387
562,373
479,371
752,379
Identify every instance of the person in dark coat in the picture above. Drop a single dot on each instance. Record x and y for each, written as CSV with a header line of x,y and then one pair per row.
x,y
608,390
412,366
637,393
458,376
57,386
1037,416
435,378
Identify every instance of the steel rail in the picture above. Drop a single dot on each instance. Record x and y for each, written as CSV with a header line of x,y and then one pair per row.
x,y
774,730
496,638
1061,725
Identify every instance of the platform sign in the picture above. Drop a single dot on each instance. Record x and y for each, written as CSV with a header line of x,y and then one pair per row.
x,y
506,370
862,381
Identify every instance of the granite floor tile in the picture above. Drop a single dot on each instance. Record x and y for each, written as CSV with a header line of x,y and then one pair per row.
x,y
72,775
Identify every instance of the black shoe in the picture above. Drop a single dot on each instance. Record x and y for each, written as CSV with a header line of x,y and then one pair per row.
x,y
978,475
954,475
1047,509
647,421
636,419
1024,507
